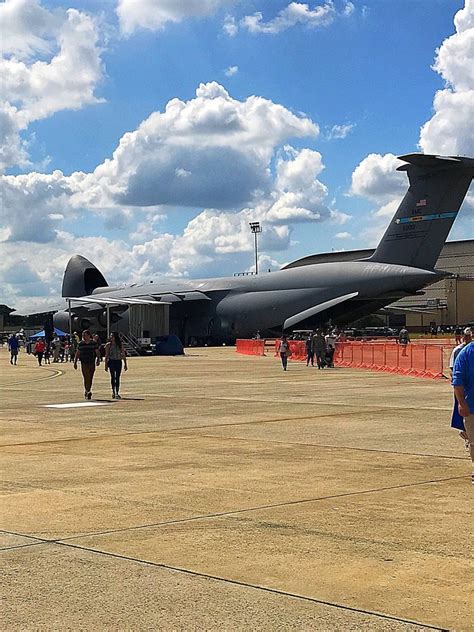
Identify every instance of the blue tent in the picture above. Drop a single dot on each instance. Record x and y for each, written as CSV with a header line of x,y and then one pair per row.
x,y
169,346
41,333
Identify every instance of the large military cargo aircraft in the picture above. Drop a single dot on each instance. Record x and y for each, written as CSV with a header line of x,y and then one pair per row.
x,y
223,309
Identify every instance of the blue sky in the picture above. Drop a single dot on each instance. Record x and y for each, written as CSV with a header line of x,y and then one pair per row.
x,y
302,110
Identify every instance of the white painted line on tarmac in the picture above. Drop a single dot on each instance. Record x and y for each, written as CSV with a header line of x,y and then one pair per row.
x,y
76,405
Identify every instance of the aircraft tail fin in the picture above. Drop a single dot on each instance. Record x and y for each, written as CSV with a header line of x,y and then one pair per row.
x,y
418,231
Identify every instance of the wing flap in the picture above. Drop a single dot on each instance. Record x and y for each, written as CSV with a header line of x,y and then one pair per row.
x,y
316,309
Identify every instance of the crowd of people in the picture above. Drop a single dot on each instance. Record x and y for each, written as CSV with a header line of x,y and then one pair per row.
x,y
88,350
320,347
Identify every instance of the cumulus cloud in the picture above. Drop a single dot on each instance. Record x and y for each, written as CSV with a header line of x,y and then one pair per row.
x,y
13,150
296,13
34,90
31,205
376,178
166,163
210,151
155,14
450,130
28,28
343,235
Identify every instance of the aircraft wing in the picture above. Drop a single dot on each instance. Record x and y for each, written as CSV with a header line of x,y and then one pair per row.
x,y
167,298
316,309
115,301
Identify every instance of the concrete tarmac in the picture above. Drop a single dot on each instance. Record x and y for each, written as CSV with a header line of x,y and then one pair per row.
x,y
222,493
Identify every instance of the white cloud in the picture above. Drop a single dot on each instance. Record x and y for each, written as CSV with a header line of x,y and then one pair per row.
x,y
343,235
230,26
155,14
246,175
212,151
27,28
31,204
450,130
13,150
35,90
376,178
295,13
231,71
340,131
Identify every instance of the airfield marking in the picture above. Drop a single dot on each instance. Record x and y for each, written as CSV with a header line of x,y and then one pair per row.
x,y
225,514
243,584
178,569
275,400
76,405
322,445
56,373
230,425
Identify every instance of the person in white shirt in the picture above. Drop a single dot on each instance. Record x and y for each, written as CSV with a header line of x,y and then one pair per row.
x,y
466,339
331,347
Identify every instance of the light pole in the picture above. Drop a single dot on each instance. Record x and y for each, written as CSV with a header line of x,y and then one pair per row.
x,y
256,229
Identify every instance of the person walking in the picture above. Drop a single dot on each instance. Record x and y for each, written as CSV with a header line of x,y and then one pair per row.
x,y
89,356
13,348
114,356
330,340
463,383
319,348
309,350
403,339
285,351
456,419
39,350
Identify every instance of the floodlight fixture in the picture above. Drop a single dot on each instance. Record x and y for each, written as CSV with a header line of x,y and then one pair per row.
x,y
255,228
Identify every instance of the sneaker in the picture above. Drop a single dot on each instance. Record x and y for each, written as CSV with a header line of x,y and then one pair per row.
x,y
89,395
118,396
85,394
113,395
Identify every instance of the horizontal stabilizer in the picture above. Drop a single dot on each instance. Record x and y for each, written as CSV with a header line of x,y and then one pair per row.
x,y
312,311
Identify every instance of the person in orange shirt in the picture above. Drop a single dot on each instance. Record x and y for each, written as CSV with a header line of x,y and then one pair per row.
x,y
39,350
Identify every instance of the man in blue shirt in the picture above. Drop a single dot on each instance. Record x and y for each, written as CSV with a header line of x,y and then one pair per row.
x,y
13,346
463,382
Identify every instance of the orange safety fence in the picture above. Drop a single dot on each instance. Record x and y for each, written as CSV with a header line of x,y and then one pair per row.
x,y
250,347
297,349
418,360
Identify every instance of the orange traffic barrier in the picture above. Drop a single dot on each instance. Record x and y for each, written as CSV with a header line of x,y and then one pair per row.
x,y
419,360
297,348
250,347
